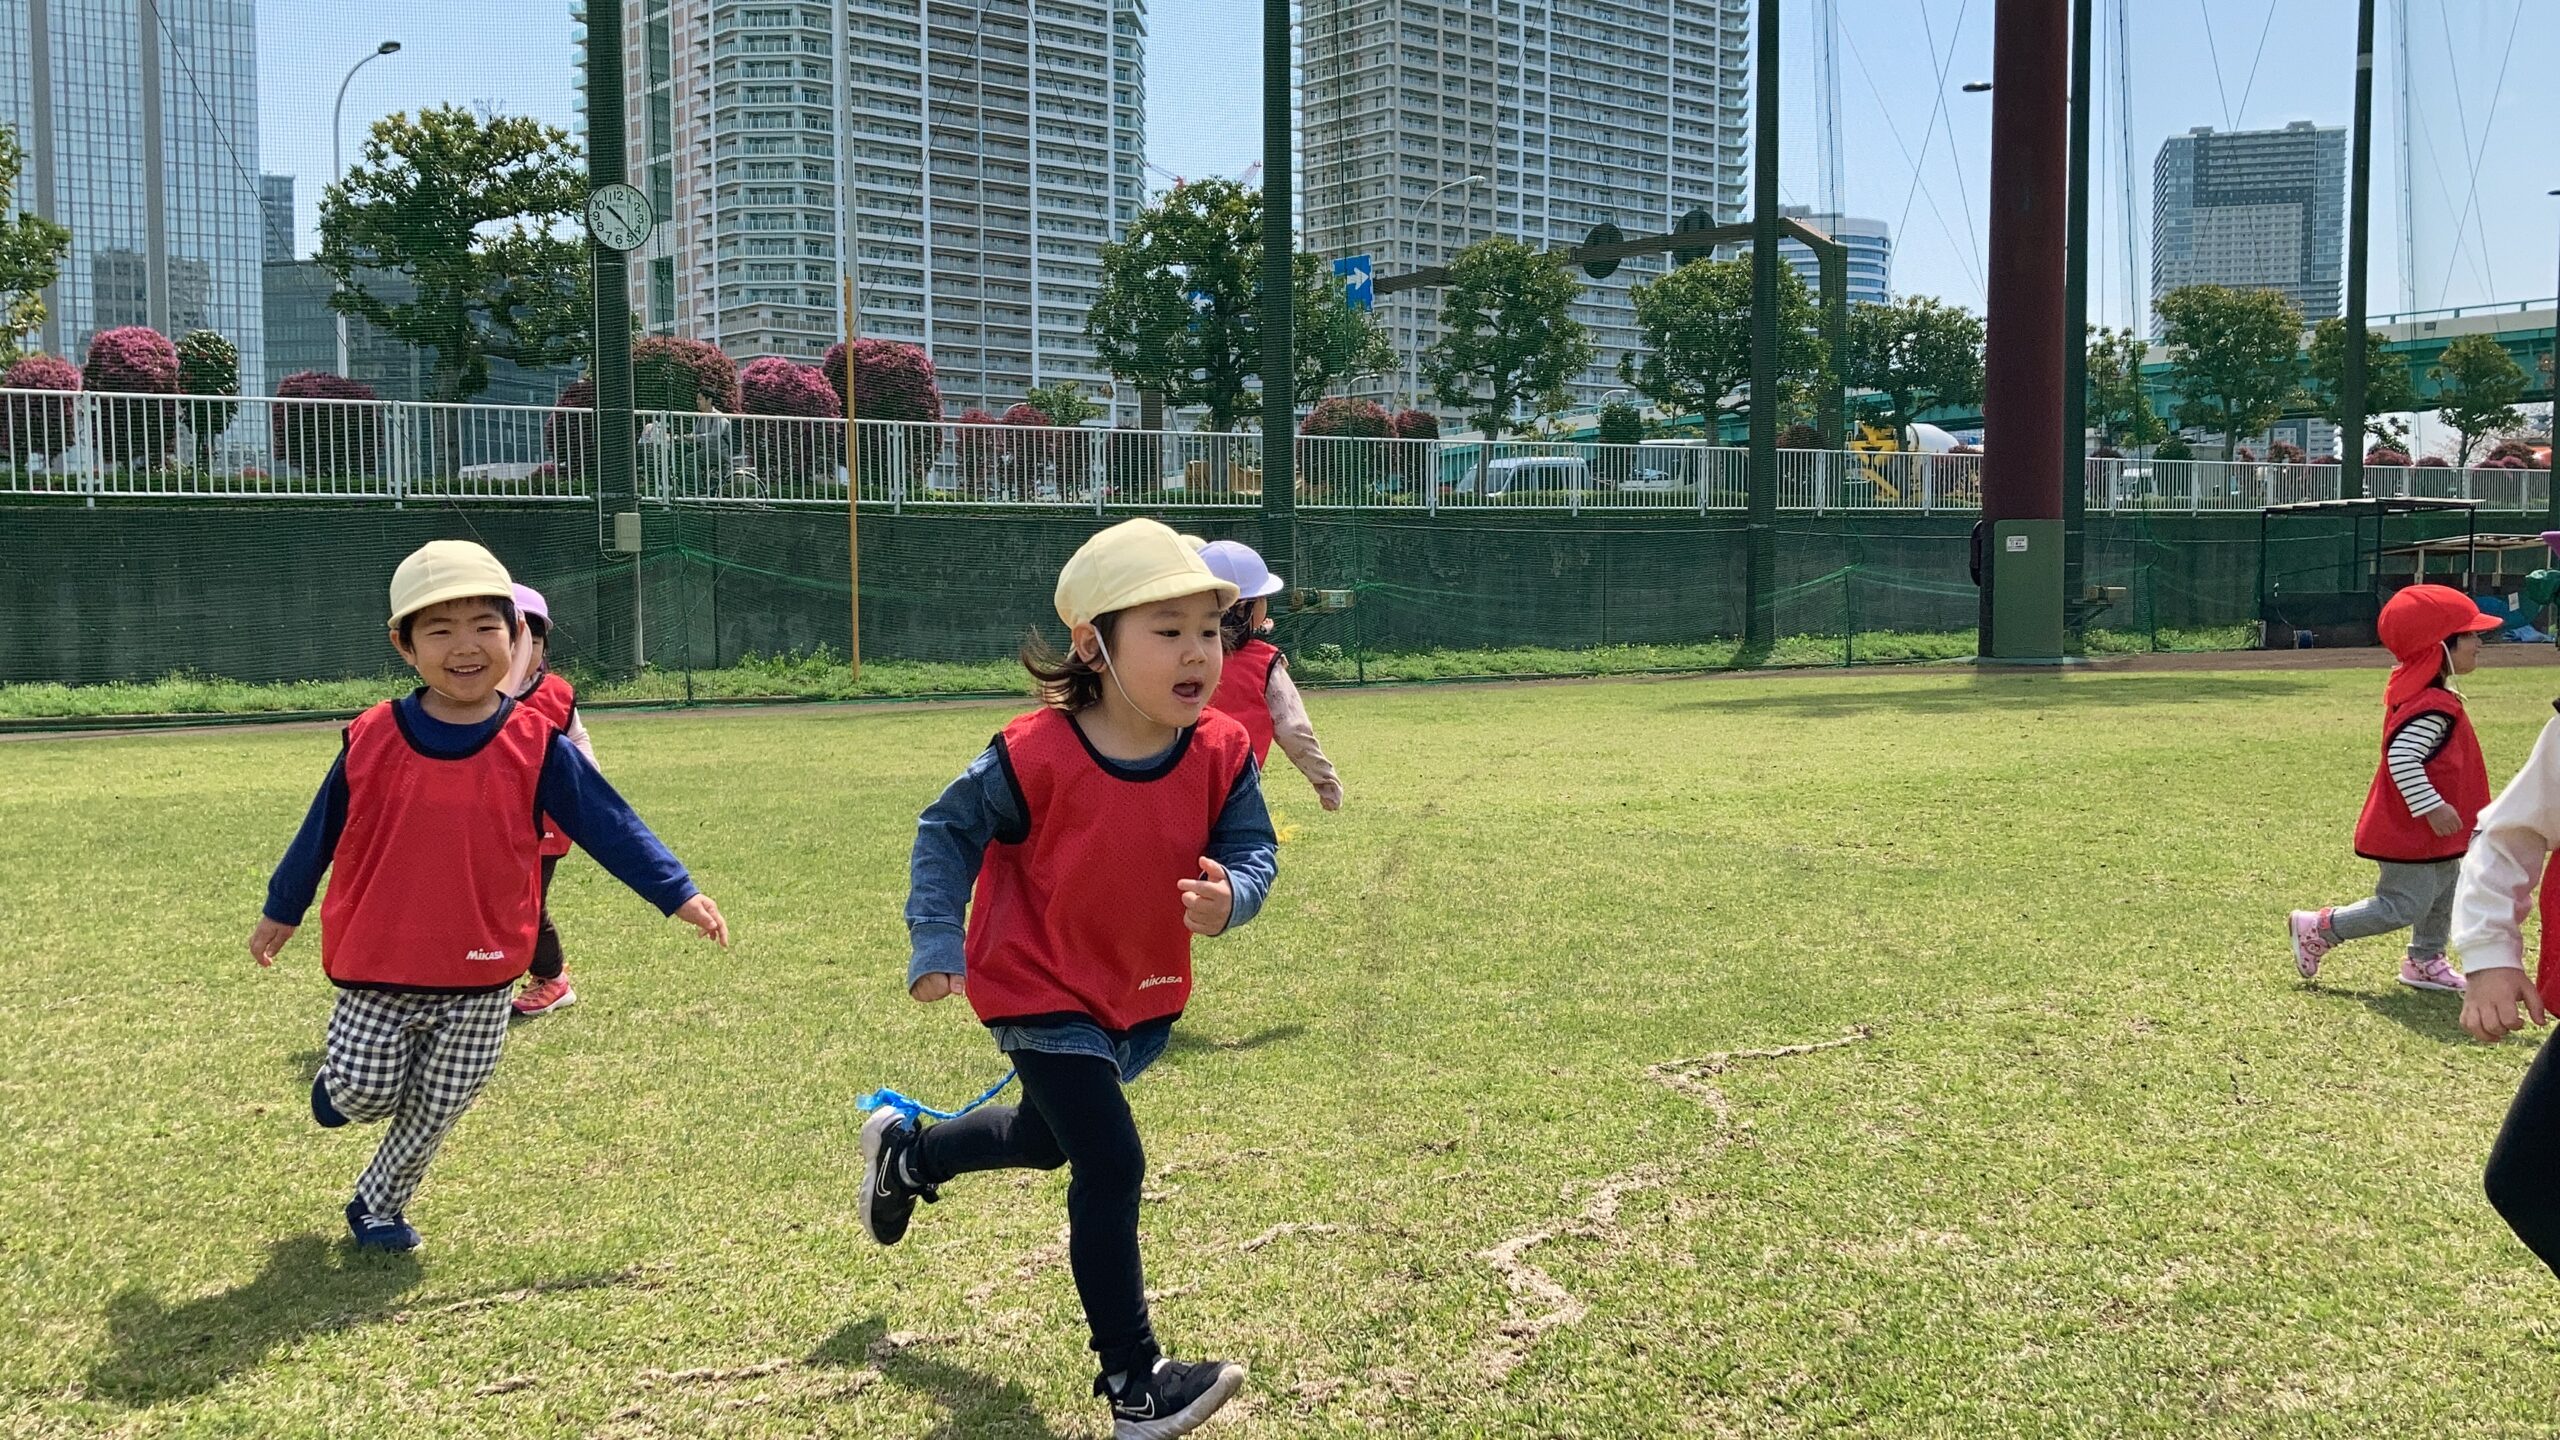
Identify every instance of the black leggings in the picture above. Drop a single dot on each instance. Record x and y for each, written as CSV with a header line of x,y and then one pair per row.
x,y
1076,1115
2524,1166
547,960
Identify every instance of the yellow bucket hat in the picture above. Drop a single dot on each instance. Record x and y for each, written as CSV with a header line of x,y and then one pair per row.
x,y
442,570
1133,563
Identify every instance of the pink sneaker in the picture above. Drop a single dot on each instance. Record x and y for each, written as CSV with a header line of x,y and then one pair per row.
x,y
2430,973
2310,940
540,997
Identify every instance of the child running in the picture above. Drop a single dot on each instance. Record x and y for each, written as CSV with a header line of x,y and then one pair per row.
x,y
1101,832
429,819
2427,793
2518,834
1255,687
546,985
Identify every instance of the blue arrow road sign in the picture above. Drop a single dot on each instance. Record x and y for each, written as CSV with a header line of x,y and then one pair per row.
x,y
1353,272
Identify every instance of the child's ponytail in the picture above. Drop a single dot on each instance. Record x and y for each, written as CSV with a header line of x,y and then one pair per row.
x,y
1065,680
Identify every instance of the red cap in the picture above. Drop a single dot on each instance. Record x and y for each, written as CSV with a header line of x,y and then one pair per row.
x,y
2415,623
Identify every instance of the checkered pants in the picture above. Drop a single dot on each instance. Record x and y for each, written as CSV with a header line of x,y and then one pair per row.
x,y
417,1061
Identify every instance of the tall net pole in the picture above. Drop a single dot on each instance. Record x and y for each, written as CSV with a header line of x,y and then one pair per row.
x,y
1760,569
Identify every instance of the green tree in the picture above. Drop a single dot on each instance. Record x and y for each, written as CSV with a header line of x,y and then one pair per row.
x,y
2238,356
1064,402
208,365
1697,334
1180,312
2119,402
31,249
2389,389
476,213
1620,423
1918,353
1508,337
2477,386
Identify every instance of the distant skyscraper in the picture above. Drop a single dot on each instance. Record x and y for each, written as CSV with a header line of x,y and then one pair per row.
x,y
992,149
1573,112
1870,247
302,334
275,216
2254,210
140,123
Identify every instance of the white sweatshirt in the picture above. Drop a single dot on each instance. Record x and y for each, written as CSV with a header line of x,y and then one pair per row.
x,y
2517,834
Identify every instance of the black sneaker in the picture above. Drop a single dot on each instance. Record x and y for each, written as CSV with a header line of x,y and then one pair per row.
x,y
887,1200
321,1110
1172,1397
380,1232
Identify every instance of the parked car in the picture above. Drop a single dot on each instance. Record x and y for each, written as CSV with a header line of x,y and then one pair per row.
x,y
1523,476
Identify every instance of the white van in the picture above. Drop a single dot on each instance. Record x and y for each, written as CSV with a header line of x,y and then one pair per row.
x,y
1529,475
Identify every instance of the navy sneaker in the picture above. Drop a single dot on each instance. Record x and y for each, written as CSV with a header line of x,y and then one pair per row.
x,y
888,1200
321,1110
374,1232
1170,1397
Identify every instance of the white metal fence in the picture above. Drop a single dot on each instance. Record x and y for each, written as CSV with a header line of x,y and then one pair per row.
x,y
182,446
98,446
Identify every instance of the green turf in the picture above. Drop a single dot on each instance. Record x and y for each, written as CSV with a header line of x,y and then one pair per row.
x,y
825,676
2101,1166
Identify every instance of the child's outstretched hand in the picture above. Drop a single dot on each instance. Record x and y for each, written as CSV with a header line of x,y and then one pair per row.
x,y
2495,1003
1329,794
2443,820
930,988
1208,902
268,939
704,916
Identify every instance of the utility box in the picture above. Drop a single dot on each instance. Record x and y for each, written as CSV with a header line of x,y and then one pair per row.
x,y
2025,574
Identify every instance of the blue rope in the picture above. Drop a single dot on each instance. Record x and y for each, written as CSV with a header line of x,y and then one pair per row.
x,y
915,1109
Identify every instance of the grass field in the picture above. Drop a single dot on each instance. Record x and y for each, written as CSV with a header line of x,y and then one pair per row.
x,y
1445,1146
825,676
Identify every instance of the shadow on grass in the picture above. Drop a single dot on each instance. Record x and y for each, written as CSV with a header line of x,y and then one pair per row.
x,y
2423,1013
1987,691
301,1065
165,1352
1190,1042
981,1406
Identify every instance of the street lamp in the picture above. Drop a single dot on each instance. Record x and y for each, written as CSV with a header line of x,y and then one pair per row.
x,y
1413,251
2554,375
1977,87
337,164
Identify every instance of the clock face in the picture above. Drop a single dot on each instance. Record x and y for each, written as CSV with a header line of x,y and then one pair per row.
x,y
618,216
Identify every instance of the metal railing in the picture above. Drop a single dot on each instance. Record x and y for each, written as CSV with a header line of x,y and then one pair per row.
x,y
105,446
98,445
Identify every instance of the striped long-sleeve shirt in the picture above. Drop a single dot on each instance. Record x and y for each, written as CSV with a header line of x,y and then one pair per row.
x,y
2416,743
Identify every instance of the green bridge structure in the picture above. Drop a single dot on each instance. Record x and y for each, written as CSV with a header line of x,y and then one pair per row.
x,y
2524,327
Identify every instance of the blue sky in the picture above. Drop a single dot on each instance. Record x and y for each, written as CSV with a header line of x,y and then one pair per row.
x,y
2267,62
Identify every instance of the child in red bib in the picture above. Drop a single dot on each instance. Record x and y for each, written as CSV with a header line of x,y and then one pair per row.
x,y
430,820
1255,688
531,680
2428,791
2518,844
1100,834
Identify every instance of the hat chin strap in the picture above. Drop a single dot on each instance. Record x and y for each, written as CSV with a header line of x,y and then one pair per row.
x,y
1113,669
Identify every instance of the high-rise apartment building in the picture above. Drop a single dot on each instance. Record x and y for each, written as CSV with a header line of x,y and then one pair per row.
x,y
991,147
1426,125
139,119
2255,210
1869,244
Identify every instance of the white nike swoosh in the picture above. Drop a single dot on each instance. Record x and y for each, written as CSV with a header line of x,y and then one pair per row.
x,y
1132,1412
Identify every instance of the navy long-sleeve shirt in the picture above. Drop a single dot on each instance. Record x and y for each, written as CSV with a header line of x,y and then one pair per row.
x,y
576,796
953,835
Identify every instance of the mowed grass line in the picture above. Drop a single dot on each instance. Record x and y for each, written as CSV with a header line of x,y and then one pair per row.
x,y
2102,1167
